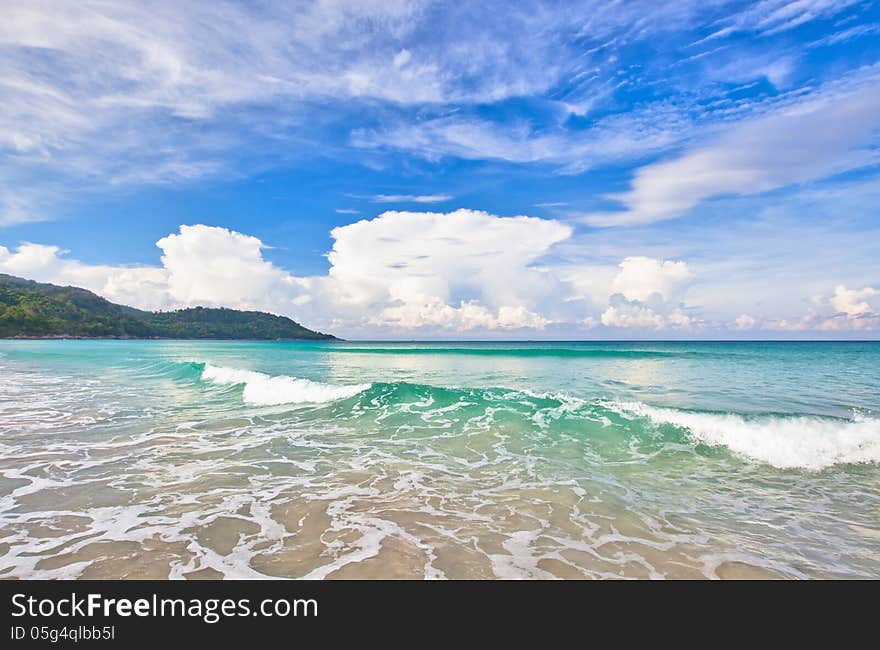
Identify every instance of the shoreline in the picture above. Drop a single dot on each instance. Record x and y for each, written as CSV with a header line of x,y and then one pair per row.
x,y
336,339
157,338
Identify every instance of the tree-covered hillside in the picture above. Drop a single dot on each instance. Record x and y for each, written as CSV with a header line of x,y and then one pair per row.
x,y
30,309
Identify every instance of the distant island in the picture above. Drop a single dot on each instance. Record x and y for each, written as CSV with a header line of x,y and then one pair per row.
x,y
31,309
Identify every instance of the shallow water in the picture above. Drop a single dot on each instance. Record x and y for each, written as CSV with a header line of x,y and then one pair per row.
x,y
478,460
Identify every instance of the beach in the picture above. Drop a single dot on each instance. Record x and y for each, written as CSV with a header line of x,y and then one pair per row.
x,y
213,459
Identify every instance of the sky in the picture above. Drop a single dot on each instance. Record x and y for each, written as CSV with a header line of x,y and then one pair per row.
x,y
405,169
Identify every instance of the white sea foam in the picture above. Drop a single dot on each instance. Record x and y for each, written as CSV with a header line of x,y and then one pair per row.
x,y
265,390
787,442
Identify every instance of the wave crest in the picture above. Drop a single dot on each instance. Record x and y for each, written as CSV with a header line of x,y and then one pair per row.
x,y
787,442
266,390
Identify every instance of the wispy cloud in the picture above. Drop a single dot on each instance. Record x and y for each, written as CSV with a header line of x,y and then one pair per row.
x,y
821,134
616,138
857,31
103,95
774,16
410,198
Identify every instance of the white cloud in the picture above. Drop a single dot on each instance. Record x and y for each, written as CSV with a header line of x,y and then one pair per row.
x,y
745,146
641,278
851,310
215,267
856,309
462,270
431,312
137,286
852,301
829,132
411,198
772,16
737,67
863,323
632,315
127,92
103,93
611,139
745,322
679,319
202,265
424,273
646,294
856,31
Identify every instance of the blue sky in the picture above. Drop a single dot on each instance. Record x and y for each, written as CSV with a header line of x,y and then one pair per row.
x,y
452,170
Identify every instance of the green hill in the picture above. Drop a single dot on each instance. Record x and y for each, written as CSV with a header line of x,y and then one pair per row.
x,y
31,309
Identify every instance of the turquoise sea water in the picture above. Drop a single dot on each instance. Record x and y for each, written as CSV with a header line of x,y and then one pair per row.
x,y
456,460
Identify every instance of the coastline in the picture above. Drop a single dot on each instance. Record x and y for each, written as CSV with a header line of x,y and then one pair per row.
x,y
332,339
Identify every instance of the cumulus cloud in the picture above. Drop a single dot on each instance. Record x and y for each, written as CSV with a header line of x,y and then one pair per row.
x,y
431,312
462,270
137,286
647,293
629,314
745,322
856,309
216,267
465,270
641,278
201,265
634,314
427,273
844,310
423,273
852,302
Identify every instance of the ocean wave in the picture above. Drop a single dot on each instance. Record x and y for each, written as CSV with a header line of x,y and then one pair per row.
x,y
265,390
783,441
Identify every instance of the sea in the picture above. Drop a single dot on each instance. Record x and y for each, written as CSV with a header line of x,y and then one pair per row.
x,y
568,460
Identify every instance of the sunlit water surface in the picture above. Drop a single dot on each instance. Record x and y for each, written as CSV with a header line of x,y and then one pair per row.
x,y
151,459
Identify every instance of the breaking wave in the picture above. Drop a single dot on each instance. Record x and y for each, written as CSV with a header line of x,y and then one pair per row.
x,y
784,441
265,390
